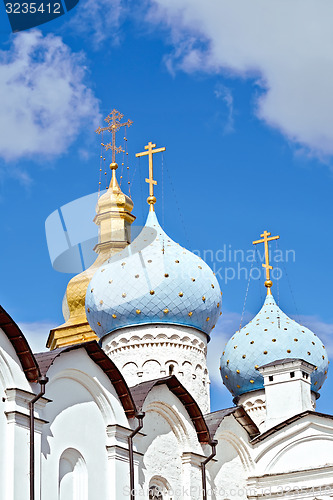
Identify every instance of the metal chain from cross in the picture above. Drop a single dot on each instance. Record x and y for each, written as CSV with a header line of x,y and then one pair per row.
x,y
150,146
114,124
265,240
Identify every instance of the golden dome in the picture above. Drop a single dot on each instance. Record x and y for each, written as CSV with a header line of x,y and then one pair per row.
x,y
114,219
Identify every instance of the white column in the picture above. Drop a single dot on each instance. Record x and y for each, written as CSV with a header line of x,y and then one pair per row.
x,y
191,476
18,444
118,462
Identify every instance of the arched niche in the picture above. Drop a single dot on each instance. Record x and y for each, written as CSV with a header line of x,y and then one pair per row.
x,y
73,476
107,402
130,370
151,368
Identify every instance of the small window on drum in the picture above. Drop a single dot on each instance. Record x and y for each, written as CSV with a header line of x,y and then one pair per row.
x,y
171,369
155,493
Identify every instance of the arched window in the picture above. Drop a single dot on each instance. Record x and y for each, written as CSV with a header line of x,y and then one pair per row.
x,y
73,477
155,493
171,369
159,489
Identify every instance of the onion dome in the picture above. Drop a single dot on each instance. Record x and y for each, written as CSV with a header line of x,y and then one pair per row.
x,y
153,280
270,336
114,219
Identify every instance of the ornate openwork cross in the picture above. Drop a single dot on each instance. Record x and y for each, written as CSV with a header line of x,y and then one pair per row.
x,y
265,240
114,124
150,146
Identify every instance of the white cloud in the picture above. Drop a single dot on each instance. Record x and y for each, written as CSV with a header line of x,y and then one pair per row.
x,y
285,47
97,20
224,94
44,99
36,334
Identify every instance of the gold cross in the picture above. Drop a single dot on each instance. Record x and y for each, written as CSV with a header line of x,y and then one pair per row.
x,y
150,146
113,121
265,240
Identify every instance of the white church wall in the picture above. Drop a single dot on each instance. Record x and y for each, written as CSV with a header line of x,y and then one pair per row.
x,y
295,461
303,485
84,407
16,392
11,372
147,352
305,444
254,403
3,435
233,463
17,458
162,456
287,389
172,453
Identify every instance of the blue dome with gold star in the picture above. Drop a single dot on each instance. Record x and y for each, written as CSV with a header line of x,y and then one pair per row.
x,y
153,280
270,336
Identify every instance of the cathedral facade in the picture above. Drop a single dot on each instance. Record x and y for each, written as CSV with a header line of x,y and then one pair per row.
x,y
119,406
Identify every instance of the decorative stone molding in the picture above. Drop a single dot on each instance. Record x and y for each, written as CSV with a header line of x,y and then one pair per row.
x,y
147,352
254,403
188,457
23,420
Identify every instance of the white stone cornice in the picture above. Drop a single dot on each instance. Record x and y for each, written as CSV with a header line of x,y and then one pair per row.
x,y
19,399
117,452
23,420
118,431
195,459
308,482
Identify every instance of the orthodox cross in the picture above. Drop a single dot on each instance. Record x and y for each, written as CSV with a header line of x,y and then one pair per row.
x,y
114,124
265,240
150,146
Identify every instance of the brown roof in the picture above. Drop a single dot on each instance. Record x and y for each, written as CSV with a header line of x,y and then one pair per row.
x,y
140,392
21,346
215,418
96,353
246,421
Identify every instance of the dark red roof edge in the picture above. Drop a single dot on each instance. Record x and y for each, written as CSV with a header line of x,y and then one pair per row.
x,y
288,421
215,418
246,421
141,391
21,346
96,353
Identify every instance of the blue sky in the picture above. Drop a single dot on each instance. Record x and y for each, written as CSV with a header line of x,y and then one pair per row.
x,y
239,95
